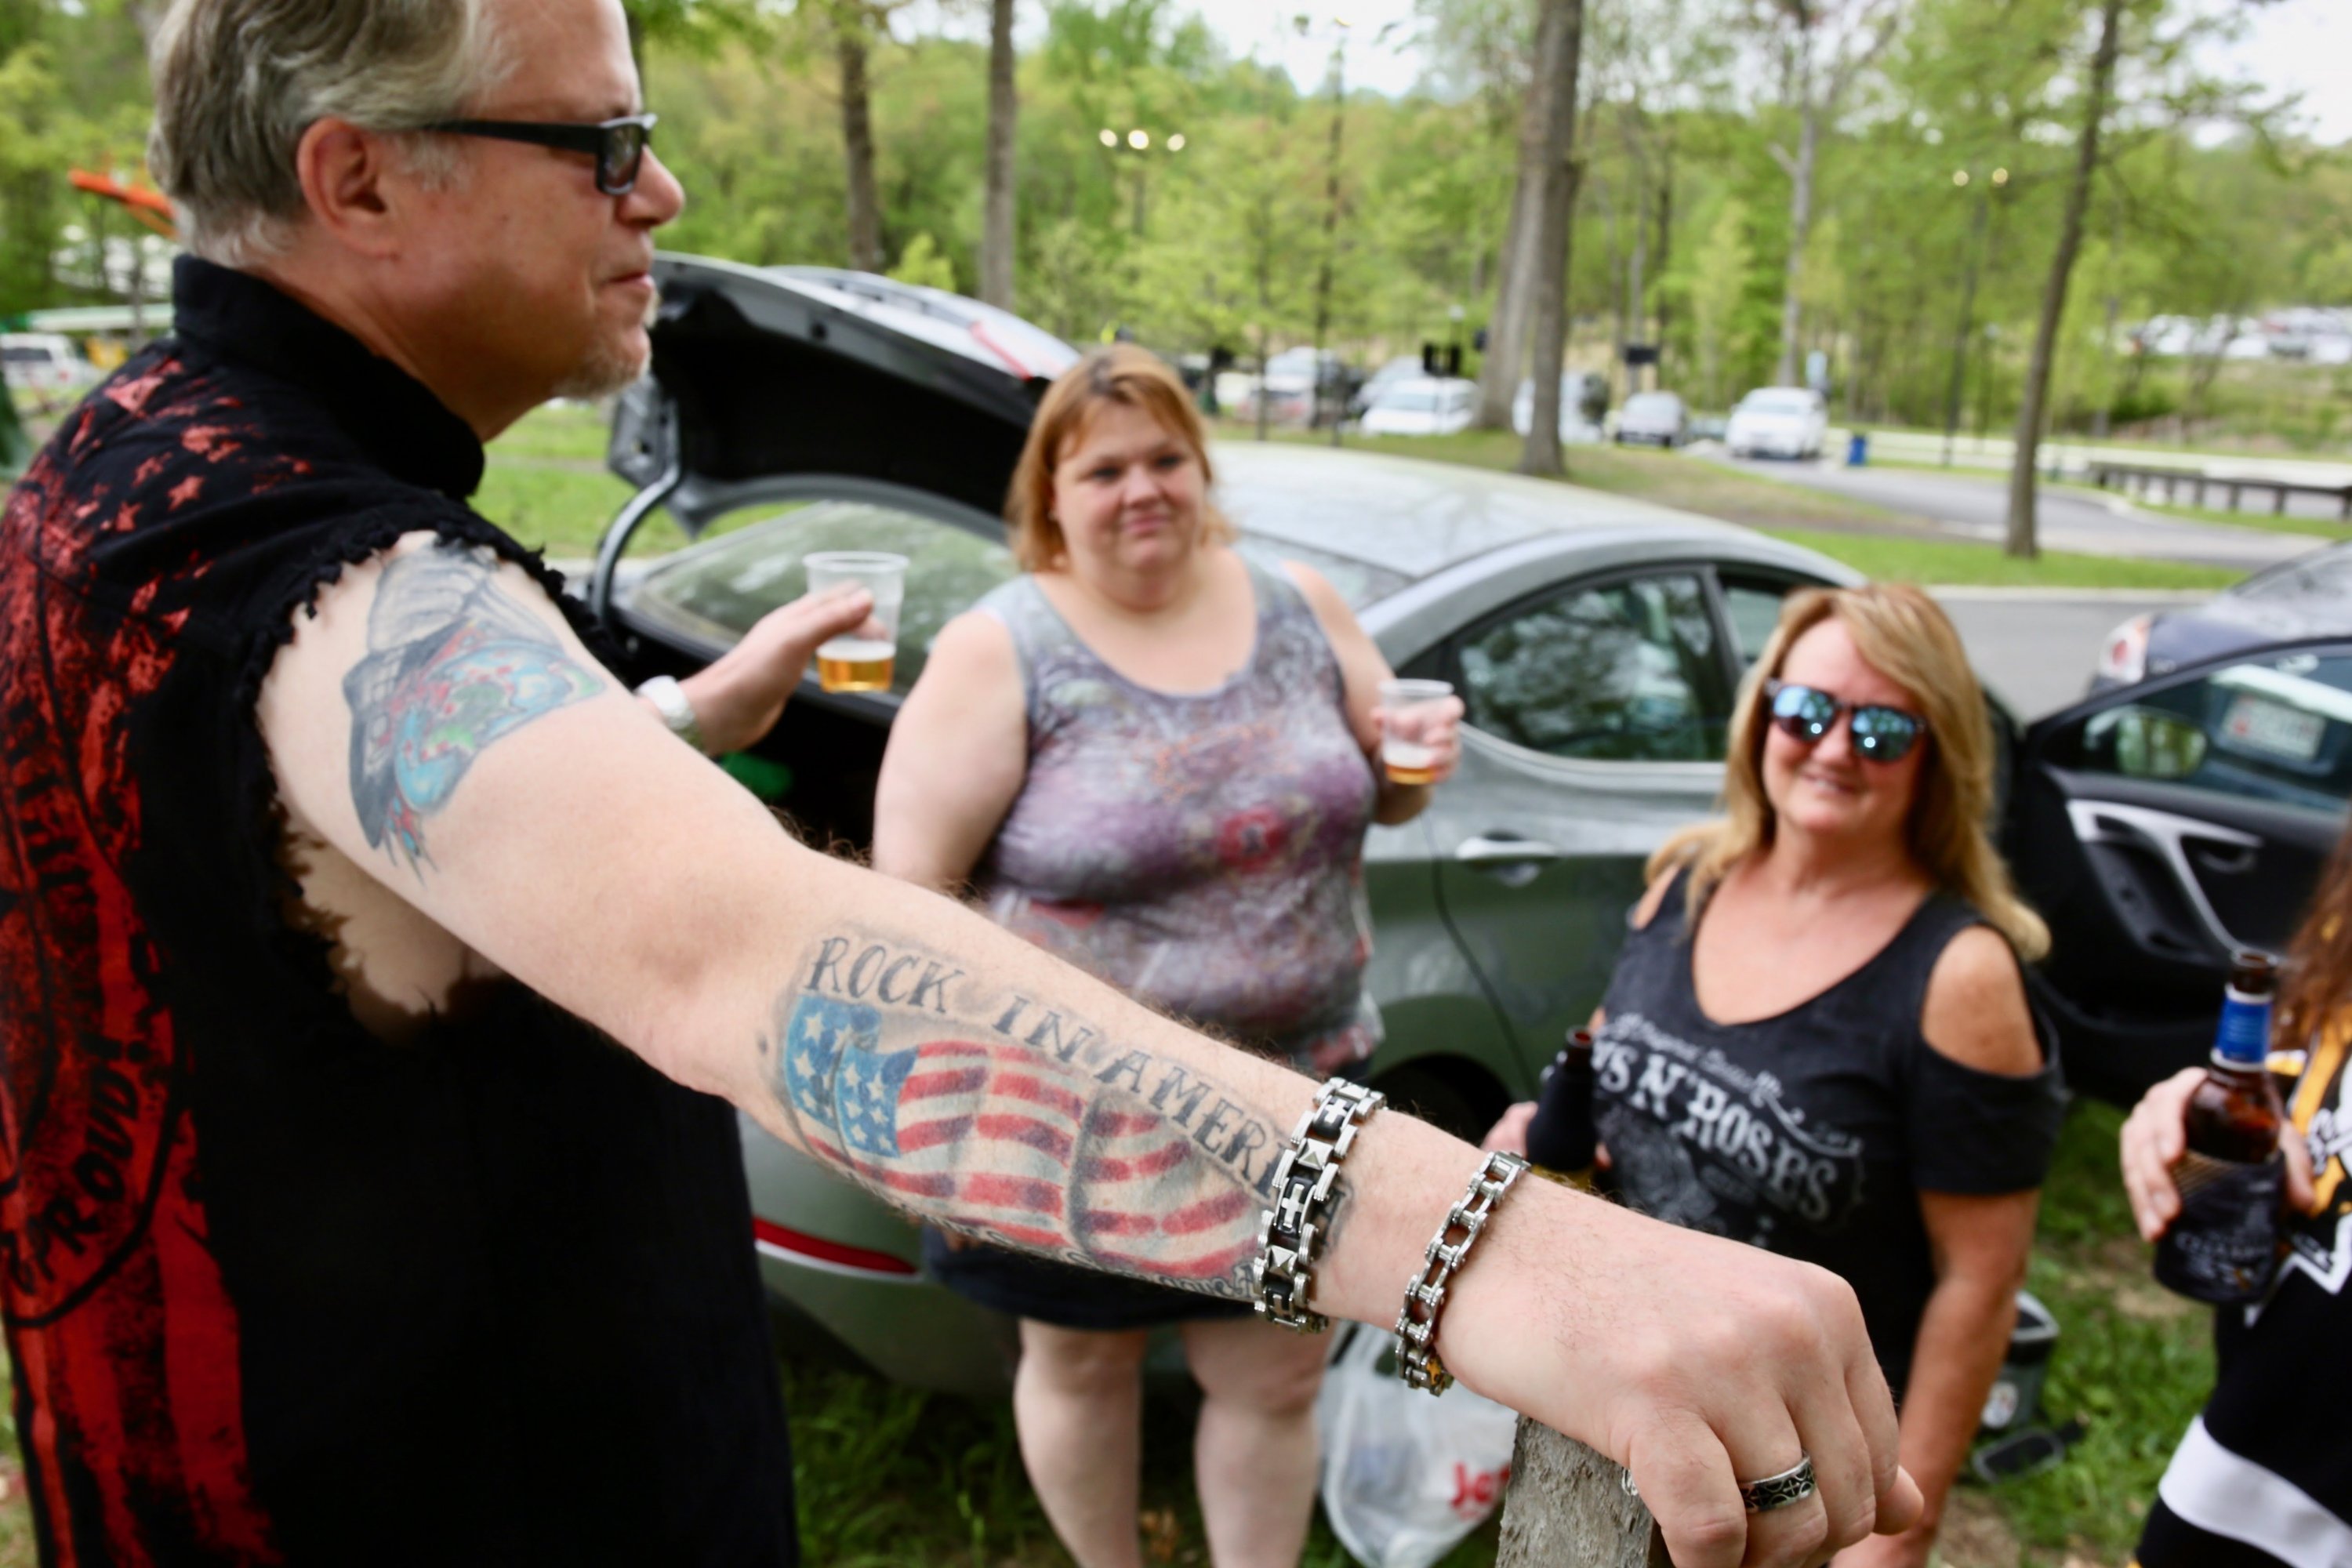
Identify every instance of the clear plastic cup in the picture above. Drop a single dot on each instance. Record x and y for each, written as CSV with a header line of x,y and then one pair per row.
x,y
860,661
1402,756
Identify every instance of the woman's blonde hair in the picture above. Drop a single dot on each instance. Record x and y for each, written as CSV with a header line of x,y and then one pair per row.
x,y
1116,372
1901,633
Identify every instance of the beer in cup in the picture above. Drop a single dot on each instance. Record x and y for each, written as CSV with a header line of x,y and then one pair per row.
x,y
1402,757
860,661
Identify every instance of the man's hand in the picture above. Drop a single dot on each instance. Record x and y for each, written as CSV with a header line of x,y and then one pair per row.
x,y
1698,1363
2155,1137
740,698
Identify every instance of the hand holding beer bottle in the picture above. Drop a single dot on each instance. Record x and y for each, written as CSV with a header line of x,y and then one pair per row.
x,y
2204,1159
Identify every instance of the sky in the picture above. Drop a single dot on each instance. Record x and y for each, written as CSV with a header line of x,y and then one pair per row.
x,y
2302,45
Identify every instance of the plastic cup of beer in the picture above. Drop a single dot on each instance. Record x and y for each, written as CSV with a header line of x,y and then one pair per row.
x,y
861,660
1402,756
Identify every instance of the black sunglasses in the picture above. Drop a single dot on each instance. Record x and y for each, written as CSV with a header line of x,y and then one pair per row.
x,y
617,145
1805,714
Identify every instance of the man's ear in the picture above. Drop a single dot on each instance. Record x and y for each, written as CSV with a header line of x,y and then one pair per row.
x,y
355,185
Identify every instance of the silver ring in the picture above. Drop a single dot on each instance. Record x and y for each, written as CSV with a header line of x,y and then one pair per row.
x,y
1794,1484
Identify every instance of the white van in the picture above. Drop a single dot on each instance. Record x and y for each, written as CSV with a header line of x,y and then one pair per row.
x,y
46,365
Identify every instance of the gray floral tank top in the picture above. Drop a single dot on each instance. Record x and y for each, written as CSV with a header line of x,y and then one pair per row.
x,y
1203,852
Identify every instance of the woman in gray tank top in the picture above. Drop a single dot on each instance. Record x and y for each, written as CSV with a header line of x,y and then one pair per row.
x,y
1154,759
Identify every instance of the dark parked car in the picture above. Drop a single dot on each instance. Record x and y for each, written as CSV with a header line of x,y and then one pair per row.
x,y
2309,596
1597,642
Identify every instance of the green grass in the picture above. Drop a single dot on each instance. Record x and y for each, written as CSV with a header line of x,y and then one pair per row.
x,y
2313,527
2134,1363
1946,563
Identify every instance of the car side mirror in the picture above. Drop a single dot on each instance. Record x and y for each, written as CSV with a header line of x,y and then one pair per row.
x,y
2150,744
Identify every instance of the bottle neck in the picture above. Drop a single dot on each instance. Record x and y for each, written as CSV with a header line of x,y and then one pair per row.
x,y
2242,1039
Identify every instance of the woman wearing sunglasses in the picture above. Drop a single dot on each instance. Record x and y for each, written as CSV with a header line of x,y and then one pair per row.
x,y
1817,1039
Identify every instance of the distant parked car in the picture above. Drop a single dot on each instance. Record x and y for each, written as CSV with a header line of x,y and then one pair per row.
x,y
2309,596
1421,405
1779,422
45,367
1653,419
1583,400
1405,367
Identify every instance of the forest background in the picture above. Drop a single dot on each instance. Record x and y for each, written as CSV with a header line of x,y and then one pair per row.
x,y
1688,112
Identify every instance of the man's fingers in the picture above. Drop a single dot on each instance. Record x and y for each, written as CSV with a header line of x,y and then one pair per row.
x,y
1686,1479
1844,1469
1900,1508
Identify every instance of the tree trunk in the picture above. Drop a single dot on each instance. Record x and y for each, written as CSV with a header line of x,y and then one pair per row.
x,y
1566,1508
1560,39
1330,246
996,197
1506,338
2054,294
1800,217
857,142
1515,269
1664,258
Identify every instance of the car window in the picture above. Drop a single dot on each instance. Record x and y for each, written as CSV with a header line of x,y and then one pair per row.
x,y
1624,671
2275,729
716,591
1753,605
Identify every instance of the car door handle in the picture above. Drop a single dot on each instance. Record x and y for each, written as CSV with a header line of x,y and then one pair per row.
x,y
1500,849
2168,836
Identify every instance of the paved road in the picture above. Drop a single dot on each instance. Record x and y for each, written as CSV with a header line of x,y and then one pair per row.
x,y
1976,506
2036,647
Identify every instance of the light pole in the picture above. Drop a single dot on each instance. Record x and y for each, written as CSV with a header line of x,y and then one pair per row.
x,y
1138,143
1967,327
1343,27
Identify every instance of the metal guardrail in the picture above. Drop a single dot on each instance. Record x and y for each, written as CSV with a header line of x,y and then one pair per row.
x,y
2141,480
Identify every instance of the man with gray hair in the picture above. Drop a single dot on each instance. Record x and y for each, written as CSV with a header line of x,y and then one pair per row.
x,y
333,863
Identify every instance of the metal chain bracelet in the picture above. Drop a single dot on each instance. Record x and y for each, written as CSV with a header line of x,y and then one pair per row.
x,y
1292,1232
1425,1297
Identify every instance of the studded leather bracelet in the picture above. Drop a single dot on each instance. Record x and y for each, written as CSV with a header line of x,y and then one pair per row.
x,y
1425,1297
1290,1236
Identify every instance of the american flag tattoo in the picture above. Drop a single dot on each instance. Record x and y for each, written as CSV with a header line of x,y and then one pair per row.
x,y
1004,1140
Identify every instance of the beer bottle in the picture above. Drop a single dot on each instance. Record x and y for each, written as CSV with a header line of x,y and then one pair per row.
x,y
2223,1245
1561,1139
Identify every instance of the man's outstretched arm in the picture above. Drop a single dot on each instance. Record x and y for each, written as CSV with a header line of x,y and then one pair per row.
x,y
437,723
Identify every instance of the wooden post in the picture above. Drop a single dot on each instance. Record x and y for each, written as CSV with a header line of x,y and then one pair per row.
x,y
1566,1508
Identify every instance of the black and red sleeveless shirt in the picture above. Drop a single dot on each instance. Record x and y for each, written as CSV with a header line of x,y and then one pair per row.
x,y
276,1288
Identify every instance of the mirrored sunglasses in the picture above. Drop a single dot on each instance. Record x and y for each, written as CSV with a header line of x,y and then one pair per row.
x,y
617,145
1805,714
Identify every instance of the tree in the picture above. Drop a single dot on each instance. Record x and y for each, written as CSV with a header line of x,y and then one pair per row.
x,y
1718,288
1821,46
997,189
1560,36
851,23
2021,539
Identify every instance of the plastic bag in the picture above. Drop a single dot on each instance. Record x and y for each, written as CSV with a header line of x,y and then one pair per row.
x,y
1405,1477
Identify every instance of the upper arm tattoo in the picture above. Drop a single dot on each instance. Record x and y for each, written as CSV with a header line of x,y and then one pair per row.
x,y
453,663
990,1112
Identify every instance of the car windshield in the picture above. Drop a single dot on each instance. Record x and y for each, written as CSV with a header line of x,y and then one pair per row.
x,y
1777,403
713,593
1410,400
17,354
1660,405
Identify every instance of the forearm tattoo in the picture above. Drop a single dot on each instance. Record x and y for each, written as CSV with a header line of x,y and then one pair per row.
x,y
989,1113
453,664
